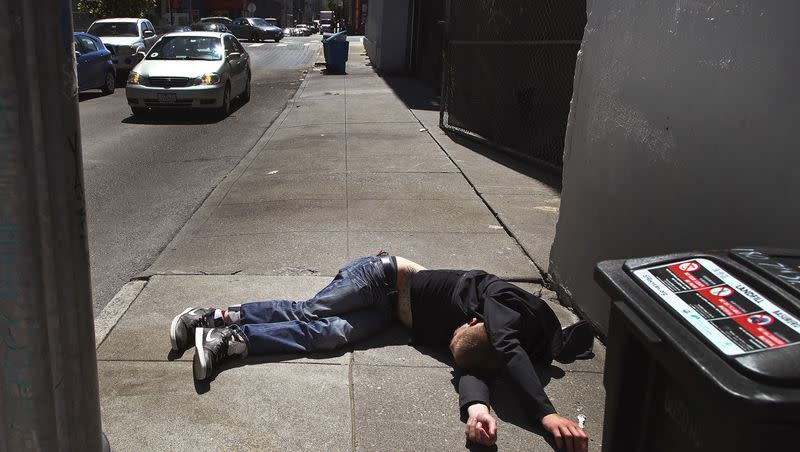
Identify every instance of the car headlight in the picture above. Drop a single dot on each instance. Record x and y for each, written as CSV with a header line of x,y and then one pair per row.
x,y
211,78
133,78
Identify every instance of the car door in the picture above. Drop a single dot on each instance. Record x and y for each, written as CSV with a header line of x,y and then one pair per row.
x,y
80,64
92,63
244,62
240,28
150,35
236,65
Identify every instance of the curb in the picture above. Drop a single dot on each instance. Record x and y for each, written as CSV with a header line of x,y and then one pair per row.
x,y
115,309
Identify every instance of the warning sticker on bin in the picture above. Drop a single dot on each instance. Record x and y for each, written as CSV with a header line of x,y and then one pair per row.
x,y
730,314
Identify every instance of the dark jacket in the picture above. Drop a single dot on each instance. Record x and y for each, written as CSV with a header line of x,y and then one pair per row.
x,y
521,327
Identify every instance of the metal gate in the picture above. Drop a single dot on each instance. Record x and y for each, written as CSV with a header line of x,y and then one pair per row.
x,y
509,68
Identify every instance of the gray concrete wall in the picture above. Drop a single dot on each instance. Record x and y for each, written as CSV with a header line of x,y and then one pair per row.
x,y
386,38
681,135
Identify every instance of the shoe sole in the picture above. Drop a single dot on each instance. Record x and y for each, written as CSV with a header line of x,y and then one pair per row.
x,y
172,331
200,362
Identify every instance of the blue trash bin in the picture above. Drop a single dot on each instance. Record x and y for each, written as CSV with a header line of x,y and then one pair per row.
x,y
335,48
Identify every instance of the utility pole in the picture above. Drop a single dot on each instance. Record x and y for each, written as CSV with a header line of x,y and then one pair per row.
x,y
49,398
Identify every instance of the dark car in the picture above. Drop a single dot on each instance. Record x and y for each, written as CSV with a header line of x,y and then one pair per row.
x,y
95,68
227,21
166,29
255,29
209,26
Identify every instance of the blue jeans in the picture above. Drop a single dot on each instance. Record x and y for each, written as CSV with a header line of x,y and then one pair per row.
x,y
354,306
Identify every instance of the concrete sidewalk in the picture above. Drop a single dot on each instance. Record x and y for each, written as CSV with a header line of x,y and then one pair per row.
x,y
354,165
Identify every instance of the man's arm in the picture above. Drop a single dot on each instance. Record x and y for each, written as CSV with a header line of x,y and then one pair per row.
x,y
504,323
473,400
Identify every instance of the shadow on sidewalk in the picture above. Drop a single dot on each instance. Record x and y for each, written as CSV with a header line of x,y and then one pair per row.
x,y
417,95
505,403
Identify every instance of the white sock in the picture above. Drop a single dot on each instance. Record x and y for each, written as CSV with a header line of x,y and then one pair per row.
x,y
233,317
237,348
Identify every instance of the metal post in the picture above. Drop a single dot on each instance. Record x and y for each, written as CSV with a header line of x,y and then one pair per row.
x,y
48,369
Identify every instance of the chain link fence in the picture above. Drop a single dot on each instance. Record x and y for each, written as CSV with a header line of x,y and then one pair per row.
x,y
509,68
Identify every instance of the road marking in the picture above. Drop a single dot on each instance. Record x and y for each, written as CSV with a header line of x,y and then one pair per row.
x,y
307,44
255,45
281,45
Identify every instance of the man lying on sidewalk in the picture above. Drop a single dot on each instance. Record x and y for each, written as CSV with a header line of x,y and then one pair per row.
x,y
488,323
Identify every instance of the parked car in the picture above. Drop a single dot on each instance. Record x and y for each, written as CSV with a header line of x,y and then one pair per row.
x,y
255,29
209,26
218,19
164,29
305,30
125,38
326,26
94,66
190,70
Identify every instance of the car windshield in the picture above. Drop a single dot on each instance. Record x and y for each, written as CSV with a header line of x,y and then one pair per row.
x,y
259,22
187,48
114,29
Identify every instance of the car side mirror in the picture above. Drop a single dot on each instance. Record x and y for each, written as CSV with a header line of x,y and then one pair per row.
x,y
77,54
148,33
234,56
141,54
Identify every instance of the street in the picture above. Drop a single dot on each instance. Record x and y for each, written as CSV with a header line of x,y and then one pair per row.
x,y
145,177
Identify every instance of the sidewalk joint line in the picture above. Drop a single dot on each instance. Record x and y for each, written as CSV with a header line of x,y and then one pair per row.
x,y
353,441
543,274
347,184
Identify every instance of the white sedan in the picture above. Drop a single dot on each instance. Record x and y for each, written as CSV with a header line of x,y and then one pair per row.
x,y
190,70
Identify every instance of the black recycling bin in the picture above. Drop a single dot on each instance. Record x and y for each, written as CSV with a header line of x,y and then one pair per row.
x,y
703,352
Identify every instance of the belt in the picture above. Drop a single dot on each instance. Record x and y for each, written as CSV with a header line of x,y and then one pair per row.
x,y
390,271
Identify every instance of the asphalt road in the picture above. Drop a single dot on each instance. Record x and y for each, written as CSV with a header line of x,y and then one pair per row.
x,y
145,178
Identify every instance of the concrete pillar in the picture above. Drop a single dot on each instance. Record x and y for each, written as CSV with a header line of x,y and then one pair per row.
x,y
681,136
48,371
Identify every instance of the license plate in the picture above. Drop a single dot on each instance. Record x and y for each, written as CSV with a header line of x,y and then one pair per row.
x,y
166,98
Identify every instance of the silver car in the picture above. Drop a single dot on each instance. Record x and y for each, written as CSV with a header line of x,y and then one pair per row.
x,y
125,38
190,70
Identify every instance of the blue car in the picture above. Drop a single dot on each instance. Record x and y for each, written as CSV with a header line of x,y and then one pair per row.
x,y
95,68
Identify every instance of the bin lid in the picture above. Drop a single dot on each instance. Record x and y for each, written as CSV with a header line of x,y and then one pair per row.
x,y
743,303
340,36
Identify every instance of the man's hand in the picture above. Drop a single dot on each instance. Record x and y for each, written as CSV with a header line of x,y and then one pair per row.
x,y
567,433
481,427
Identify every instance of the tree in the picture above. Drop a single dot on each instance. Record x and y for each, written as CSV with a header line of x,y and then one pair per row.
x,y
115,8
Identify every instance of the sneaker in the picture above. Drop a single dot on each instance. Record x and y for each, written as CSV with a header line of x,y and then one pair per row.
x,y
213,345
181,332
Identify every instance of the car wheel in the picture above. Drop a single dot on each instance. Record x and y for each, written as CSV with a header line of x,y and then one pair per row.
x,y
253,37
139,111
111,83
246,93
225,109
277,39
